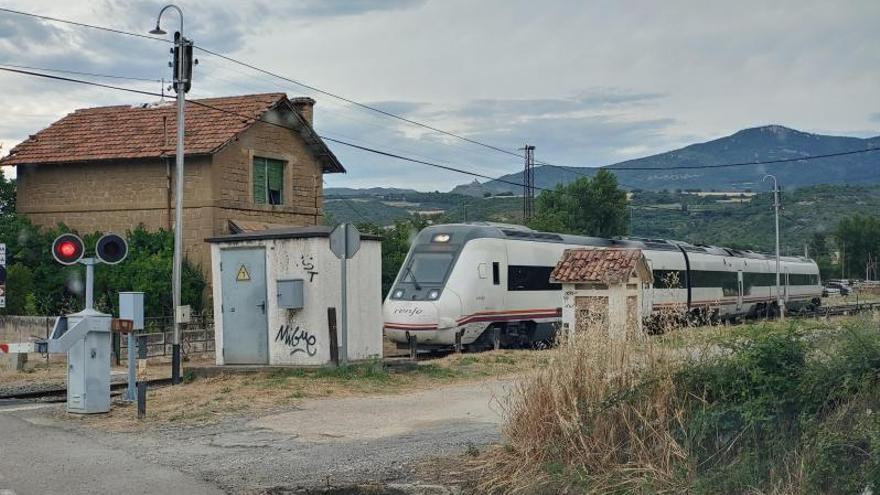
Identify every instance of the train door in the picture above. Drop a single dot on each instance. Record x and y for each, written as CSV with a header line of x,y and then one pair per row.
x,y
490,294
739,291
785,286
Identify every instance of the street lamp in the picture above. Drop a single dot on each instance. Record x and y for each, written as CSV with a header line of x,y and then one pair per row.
x,y
776,205
179,80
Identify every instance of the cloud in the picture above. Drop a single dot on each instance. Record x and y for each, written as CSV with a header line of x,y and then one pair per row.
x,y
875,117
331,8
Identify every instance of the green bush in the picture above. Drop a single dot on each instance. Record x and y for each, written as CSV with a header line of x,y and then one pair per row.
x,y
37,284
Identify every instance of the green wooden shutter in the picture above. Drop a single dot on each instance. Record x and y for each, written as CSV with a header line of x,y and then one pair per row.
x,y
275,171
260,196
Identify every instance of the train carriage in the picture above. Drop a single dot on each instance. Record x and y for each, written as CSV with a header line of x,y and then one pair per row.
x,y
460,280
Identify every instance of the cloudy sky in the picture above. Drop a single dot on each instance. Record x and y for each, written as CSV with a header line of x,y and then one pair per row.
x,y
587,82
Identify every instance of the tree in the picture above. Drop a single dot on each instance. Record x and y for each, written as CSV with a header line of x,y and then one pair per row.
x,y
7,195
858,237
595,207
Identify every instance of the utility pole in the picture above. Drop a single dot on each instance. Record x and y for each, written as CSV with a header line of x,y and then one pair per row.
x,y
182,74
776,205
528,183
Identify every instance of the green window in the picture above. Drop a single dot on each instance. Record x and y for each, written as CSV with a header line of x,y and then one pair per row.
x,y
268,181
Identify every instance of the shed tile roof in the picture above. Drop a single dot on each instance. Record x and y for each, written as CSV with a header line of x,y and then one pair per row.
x,y
149,131
596,265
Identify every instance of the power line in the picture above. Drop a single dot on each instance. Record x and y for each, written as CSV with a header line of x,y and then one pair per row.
x,y
334,140
743,164
4,67
79,73
83,24
421,124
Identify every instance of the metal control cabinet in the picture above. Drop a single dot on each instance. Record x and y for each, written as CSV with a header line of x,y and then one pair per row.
x,y
85,336
290,293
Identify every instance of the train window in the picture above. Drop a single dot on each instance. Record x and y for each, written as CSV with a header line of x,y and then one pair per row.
x,y
522,277
496,273
669,279
728,281
428,268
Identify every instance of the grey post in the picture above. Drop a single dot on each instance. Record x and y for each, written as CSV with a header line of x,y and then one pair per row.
x,y
180,43
131,307
345,241
776,204
90,281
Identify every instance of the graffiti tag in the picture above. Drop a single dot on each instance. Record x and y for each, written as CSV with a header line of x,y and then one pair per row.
x,y
297,339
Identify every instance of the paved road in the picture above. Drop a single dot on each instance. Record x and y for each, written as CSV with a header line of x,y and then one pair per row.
x,y
37,457
320,442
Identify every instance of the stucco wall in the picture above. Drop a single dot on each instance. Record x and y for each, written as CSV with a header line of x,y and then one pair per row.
x,y
311,260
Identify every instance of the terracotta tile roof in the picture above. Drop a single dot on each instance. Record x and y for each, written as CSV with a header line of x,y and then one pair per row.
x,y
130,132
609,266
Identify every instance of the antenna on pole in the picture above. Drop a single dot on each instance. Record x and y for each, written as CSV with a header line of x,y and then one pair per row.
x,y
528,183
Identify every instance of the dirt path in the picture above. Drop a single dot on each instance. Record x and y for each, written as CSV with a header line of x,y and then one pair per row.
x,y
319,442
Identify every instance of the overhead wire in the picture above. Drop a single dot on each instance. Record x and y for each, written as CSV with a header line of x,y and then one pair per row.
x,y
330,139
421,124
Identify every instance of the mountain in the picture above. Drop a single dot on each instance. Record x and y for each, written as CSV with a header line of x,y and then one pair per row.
x,y
370,191
765,143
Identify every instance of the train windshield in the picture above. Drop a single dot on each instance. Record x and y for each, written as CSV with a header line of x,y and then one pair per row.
x,y
428,268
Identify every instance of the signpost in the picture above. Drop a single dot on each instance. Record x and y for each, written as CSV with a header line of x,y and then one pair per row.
x,y
345,241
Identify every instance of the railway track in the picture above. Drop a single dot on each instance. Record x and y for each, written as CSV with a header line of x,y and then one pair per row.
x,y
60,393
838,310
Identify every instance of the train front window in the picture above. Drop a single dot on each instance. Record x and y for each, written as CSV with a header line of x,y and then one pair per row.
x,y
428,268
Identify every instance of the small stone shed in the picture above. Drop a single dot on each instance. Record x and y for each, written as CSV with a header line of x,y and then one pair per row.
x,y
257,276
603,290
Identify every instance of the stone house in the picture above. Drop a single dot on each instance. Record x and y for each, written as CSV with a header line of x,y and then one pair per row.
x,y
112,168
603,291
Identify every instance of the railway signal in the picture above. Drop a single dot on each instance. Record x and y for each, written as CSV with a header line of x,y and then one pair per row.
x,y
111,249
68,249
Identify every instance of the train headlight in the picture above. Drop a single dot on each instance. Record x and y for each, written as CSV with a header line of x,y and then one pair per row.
x,y
441,238
398,294
433,294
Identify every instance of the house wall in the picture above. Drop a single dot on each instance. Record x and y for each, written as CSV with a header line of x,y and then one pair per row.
x,y
622,321
233,182
118,195
311,260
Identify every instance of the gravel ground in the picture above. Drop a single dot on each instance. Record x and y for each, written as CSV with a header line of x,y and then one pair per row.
x,y
319,443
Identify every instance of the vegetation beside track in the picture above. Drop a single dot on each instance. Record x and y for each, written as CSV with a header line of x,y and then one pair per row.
x,y
761,408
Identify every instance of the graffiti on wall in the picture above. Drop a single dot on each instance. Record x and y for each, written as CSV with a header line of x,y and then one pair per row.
x,y
308,264
297,339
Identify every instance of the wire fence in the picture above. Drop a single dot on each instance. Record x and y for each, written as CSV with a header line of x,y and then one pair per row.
x,y
196,337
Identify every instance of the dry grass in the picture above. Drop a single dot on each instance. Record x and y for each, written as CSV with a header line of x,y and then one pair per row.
x,y
209,400
596,415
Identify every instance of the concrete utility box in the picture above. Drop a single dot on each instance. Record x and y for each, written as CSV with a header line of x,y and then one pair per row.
x,y
272,291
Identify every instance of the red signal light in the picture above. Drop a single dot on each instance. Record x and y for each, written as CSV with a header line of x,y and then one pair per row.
x,y
67,249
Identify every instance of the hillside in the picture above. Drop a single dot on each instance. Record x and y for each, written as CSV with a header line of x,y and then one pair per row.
x,y
710,220
756,144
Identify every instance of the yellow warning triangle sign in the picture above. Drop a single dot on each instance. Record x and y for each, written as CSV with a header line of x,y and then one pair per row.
x,y
243,275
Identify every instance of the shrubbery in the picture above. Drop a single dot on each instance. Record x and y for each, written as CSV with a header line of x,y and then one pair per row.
x,y
778,409
37,285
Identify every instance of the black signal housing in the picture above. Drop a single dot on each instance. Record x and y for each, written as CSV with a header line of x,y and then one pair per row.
x,y
111,249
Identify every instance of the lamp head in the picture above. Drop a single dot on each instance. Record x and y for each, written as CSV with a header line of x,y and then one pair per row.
x,y
158,30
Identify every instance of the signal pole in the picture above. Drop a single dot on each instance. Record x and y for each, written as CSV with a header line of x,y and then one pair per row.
x,y
776,205
528,183
182,71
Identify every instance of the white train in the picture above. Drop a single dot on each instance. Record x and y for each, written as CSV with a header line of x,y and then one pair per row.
x,y
466,278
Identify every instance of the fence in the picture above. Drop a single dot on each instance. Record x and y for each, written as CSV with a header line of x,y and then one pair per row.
x,y
196,337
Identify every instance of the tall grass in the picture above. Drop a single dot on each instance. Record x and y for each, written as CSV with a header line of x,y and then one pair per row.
x,y
780,409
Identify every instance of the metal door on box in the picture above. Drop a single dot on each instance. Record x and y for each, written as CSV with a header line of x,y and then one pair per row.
x,y
245,324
